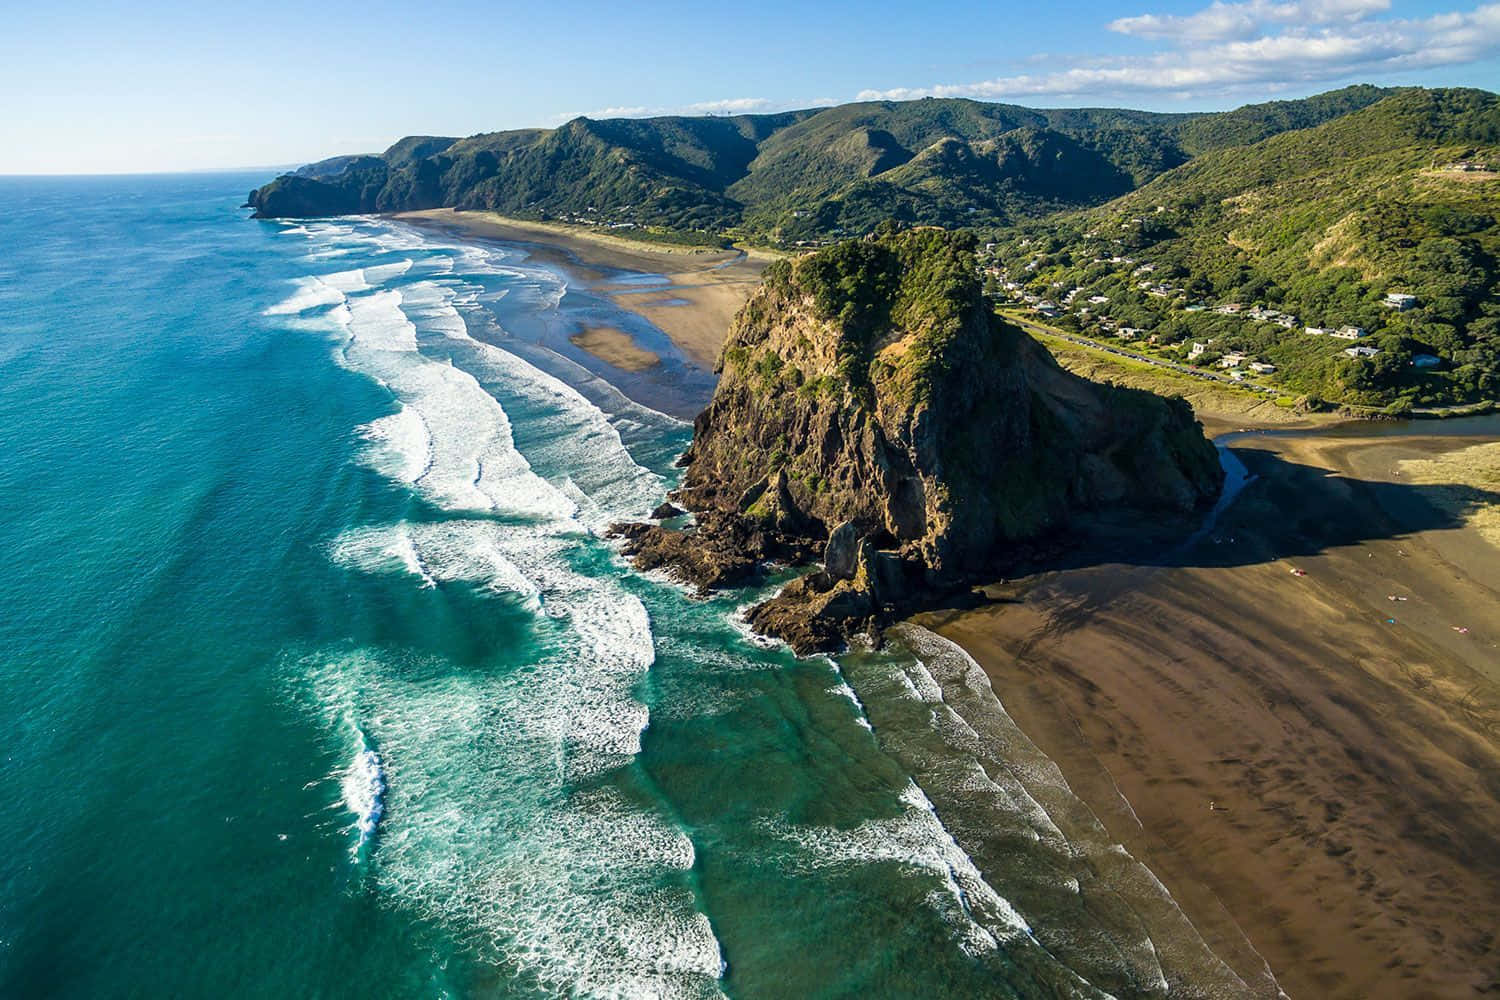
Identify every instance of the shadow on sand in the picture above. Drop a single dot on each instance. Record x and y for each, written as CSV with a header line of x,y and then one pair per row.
x,y
1284,511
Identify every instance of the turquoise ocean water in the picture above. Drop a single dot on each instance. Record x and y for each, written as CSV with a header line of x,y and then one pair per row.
x,y
318,680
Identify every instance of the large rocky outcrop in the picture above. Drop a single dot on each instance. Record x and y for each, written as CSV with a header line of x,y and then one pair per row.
x,y
873,411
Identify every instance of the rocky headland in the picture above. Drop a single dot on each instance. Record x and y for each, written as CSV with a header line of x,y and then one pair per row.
x,y
873,415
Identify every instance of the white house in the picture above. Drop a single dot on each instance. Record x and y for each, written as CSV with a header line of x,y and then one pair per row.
x,y
1316,331
1400,301
1232,360
1349,332
1361,351
1262,367
1198,349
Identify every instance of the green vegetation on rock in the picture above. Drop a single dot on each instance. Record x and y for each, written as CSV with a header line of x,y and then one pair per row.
x,y
877,380
875,414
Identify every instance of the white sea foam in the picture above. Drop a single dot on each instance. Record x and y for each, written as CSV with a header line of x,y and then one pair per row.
x,y
567,434
485,828
843,690
1003,766
466,452
917,839
346,281
363,789
379,274
486,831
445,551
312,293
378,324
1034,769
399,445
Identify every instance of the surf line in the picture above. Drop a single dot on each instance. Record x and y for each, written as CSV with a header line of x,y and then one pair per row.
x,y
363,787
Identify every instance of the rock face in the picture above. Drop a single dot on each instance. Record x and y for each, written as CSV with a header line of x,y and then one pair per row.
x,y
873,412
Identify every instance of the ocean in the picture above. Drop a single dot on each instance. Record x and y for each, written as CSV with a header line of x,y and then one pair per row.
x,y
320,679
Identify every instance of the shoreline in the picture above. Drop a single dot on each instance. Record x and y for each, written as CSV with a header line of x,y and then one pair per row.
x,y
1314,784
1233,731
698,293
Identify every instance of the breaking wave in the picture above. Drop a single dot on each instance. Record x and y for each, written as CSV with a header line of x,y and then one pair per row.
x,y
504,799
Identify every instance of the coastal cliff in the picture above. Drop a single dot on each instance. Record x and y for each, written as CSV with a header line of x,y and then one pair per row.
x,y
875,415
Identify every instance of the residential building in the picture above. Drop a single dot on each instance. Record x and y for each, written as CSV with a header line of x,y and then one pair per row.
x,y
1361,351
1400,301
1349,332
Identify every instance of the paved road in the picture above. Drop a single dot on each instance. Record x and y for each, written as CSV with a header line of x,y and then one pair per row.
x,y
1191,372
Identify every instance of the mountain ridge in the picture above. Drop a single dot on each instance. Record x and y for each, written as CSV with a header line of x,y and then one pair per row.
x,y
802,175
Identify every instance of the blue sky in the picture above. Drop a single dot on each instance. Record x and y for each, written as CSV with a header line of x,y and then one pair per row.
x,y
95,87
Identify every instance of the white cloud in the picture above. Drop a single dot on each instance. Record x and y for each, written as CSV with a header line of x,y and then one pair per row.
x,y
1244,20
727,106
733,106
1214,52
635,111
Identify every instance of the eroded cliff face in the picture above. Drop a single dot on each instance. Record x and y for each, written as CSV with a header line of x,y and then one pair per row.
x,y
872,412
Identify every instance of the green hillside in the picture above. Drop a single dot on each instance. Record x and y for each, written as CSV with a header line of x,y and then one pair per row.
x,y
801,176
1313,228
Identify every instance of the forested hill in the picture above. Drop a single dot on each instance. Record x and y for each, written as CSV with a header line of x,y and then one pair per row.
x,y
1259,250
798,176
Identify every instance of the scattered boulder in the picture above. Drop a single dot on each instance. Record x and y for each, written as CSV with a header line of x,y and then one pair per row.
x,y
840,552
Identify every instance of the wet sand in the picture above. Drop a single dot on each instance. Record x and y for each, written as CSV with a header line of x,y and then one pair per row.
x,y
1318,787
615,347
698,294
